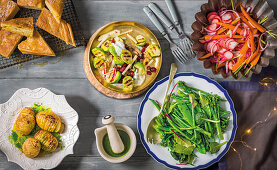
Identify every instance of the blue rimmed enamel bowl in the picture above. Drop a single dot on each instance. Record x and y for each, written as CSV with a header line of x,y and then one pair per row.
x,y
147,112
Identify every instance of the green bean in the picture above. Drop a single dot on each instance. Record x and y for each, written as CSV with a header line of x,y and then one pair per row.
x,y
158,107
185,111
213,121
176,128
216,117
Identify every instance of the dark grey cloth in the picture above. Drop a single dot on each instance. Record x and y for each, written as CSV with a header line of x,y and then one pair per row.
x,y
253,103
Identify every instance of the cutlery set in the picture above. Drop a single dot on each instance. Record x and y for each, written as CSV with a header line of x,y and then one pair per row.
x,y
182,53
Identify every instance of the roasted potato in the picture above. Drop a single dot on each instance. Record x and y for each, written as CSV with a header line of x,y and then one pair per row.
x,y
48,141
48,120
62,128
31,147
25,122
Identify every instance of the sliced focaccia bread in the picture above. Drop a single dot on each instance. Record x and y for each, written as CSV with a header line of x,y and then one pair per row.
x,y
35,45
22,26
32,4
8,9
62,30
8,42
56,8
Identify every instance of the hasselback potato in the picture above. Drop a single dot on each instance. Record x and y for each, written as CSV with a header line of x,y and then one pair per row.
x,y
62,128
31,147
25,122
48,120
48,141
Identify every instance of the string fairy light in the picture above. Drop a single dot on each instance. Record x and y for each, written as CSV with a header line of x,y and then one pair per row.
x,y
249,131
238,156
268,82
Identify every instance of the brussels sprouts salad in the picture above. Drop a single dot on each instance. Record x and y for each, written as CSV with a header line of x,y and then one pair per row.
x,y
125,59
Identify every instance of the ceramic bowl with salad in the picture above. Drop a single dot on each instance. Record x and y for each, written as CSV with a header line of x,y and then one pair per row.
x,y
125,57
197,125
235,37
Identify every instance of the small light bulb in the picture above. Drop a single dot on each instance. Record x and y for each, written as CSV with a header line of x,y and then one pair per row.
x,y
248,131
274,109
255,149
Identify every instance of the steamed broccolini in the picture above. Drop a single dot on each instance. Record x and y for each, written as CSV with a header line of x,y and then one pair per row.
x,y
191,119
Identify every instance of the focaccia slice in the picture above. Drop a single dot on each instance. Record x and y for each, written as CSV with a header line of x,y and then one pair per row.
x,y
35,45
56,8
22,26
62,30
8,10
32,4
8,42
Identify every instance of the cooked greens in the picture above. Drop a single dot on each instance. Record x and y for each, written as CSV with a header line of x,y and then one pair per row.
x,y
191,120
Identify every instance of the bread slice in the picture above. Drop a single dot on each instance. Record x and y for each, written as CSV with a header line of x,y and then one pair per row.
x,y
62,30
32,4
22,26
56,8
8,42
8,10
35,45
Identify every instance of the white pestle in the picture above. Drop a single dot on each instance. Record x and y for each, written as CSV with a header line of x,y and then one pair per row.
x,y
115,140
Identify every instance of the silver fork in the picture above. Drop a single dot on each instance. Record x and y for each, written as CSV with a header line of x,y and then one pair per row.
x,y
185,41
176,51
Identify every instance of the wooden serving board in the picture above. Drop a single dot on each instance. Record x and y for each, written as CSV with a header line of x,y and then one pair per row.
x,y
96,83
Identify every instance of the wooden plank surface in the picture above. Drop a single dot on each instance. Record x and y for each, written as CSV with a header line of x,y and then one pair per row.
x,y
64,75
94,14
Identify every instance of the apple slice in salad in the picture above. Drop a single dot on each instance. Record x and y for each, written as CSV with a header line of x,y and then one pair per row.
x,y
122,63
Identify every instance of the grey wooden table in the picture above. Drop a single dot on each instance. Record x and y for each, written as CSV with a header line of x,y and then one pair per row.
x,y
67,77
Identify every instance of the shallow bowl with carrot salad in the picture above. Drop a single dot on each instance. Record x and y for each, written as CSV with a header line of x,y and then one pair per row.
x,y
232,37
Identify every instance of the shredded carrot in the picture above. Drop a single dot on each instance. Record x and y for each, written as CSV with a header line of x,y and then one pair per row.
x,y
254,62
251,40
205,56
252,57
239,63
221,30
244,20
238,36
240,41
235,21
244,48
252,21
229,26
256,59
241,60
215,37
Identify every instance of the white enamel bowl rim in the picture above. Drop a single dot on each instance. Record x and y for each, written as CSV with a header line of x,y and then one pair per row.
x,y
100,132
219,155
24,98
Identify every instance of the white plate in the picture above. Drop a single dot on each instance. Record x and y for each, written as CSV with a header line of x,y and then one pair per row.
x,y
23,98
148,111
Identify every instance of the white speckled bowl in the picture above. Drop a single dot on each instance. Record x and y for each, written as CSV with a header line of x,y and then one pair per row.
x,y
23,98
